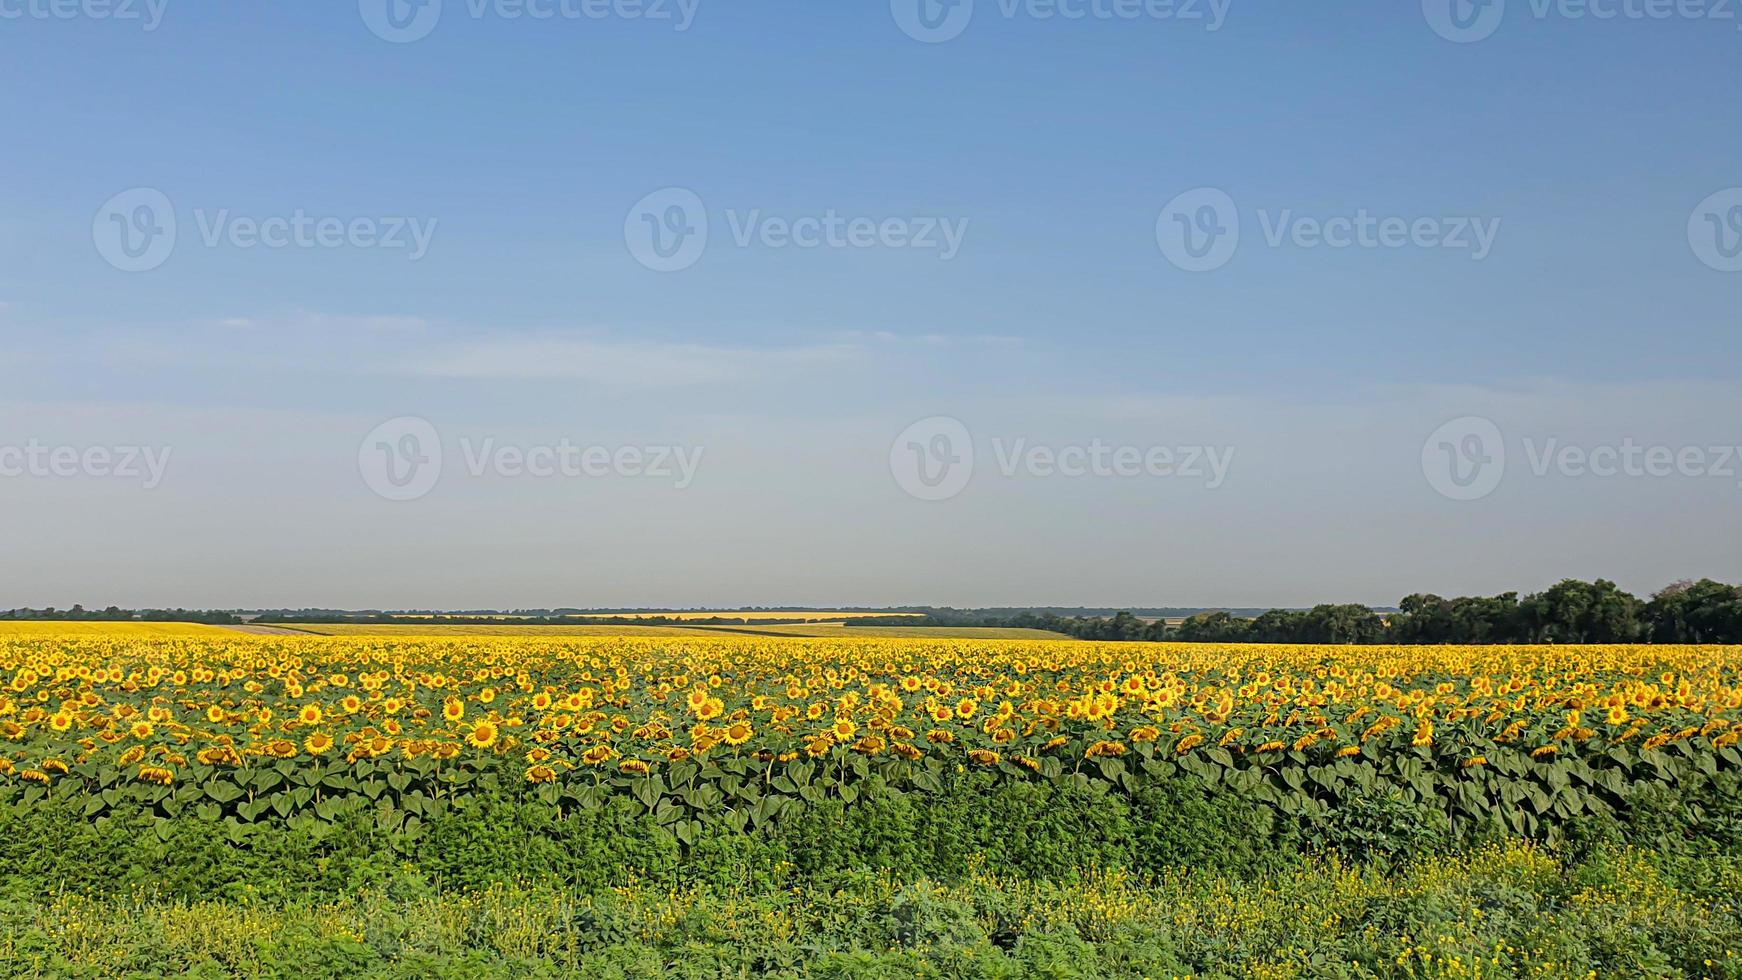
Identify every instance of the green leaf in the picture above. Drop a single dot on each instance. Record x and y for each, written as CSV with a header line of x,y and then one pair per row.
x,y
223,790
1295,779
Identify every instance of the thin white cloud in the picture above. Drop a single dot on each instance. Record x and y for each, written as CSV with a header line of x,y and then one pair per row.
x,y
927,339
616,363
303,321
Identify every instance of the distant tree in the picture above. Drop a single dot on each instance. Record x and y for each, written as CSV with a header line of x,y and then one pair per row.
x,y
1341,624
1422,618
1215,627
1696,612
1427,618
1278,626
1572,611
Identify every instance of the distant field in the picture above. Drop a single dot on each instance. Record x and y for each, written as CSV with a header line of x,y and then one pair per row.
x,y
35,627
749,616
434,629
753,616
807,629
917,632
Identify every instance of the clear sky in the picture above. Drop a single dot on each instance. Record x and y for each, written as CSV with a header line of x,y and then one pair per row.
x,y
783,299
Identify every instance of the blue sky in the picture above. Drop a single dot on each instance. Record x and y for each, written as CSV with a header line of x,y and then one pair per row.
x,y
523,145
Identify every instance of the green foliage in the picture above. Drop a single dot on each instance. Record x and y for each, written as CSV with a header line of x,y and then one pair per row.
x,y
1386,825
1521,911
689,827
853,810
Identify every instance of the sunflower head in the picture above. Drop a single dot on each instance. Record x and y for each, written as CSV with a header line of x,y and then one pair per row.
x,y
483,734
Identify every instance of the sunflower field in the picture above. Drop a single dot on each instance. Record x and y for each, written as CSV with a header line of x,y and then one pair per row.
x,y
241,730
211,766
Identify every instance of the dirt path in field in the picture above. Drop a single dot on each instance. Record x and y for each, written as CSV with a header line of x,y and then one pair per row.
x,y
267,630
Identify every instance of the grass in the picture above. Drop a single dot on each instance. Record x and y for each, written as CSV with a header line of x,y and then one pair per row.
x,y
1497,912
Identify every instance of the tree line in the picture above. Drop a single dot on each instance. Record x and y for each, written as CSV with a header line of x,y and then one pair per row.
x,y
115,614
1571,611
